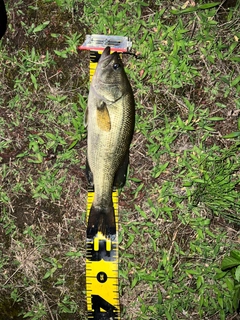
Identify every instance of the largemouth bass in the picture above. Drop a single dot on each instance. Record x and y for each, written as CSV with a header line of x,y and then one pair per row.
x,y
110,118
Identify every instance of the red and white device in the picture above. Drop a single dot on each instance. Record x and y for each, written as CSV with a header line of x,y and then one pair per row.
x,y
98,42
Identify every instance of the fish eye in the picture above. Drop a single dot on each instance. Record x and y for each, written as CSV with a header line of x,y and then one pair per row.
x,y
116,66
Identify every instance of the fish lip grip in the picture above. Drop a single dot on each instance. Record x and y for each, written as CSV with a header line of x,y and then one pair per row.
x,y
98,42
102,288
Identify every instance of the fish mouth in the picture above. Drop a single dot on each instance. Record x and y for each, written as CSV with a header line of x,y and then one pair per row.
x,y
107,57
106,52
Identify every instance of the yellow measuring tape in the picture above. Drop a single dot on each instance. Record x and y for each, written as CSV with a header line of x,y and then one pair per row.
x,y
102,258
102,271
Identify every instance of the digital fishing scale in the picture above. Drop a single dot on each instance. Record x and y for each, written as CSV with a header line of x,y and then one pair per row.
x,y
102,290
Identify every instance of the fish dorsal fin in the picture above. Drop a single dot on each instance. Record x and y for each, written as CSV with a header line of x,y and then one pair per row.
x,y
103,117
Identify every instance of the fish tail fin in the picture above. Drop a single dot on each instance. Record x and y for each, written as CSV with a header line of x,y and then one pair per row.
x,y
101,219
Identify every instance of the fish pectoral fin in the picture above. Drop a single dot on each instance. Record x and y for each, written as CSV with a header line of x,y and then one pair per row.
x,y
85,121
101,219
103,117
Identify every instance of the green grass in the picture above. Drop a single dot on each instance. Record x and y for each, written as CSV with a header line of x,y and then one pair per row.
x,y
180,209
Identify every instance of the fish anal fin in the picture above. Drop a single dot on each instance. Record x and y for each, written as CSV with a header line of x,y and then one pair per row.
x,y
89,174
121,174
85,122
103,117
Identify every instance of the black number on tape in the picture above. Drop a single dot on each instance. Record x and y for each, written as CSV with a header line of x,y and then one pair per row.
x,y
111,312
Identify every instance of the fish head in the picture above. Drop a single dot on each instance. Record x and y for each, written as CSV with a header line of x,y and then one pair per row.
x,y
110,80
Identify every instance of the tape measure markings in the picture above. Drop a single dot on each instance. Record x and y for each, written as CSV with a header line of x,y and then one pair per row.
x,y
102,270
102,252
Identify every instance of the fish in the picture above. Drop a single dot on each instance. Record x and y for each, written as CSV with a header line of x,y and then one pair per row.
x,y
110,120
